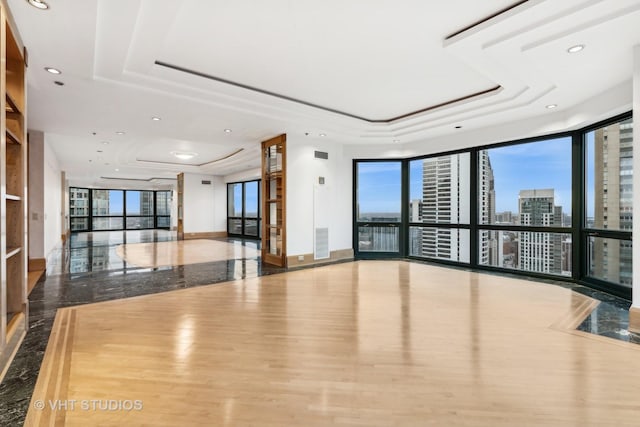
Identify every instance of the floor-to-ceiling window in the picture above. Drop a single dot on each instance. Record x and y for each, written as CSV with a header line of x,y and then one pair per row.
x,y
439,208
79,209
378,207
524,206
163,209
243,209
140,209
557,206
108,209
609,202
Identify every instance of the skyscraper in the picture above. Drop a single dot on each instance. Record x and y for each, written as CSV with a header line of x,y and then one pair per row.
x,y
613,157
445,200
539,251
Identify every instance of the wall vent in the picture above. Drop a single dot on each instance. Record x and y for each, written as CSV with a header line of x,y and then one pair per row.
x,y
321,243
321,155
206,182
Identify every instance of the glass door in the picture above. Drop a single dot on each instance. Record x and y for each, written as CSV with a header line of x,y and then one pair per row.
x,y
243,209
378,208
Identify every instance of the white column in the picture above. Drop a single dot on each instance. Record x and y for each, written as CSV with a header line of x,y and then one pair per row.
x,y
634,311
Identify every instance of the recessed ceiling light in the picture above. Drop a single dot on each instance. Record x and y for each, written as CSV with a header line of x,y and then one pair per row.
x,y
117,170
459,127
52,70
105,142
119,133
228,131
396,140
575,49
39,4
156,119
323,134
59,83
182,155
99,151
551,106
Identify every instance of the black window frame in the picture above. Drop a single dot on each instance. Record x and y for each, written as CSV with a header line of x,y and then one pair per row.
x,y
90,217
243,218
578,229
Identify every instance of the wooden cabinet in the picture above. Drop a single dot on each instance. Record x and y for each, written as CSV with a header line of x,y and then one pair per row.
x,y
274,230
13,195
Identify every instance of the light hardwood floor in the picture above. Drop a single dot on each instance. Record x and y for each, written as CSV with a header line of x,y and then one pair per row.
x,y
369,343
162,254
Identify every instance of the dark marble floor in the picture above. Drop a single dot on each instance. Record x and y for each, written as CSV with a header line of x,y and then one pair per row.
x,y
86,270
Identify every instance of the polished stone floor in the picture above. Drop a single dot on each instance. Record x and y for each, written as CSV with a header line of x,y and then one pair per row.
x,y
87,269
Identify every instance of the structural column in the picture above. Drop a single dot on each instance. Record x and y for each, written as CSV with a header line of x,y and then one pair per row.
x,y
634,311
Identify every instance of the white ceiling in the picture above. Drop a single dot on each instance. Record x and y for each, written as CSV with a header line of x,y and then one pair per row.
x,y
344,69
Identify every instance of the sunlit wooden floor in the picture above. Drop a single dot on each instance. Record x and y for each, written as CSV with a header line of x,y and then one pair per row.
x,y
181,252
370,343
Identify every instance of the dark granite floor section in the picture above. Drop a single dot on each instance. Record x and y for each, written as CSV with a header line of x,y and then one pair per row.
x,y
69,289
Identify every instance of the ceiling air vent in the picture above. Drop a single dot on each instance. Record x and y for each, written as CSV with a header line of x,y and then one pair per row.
x,y
206,182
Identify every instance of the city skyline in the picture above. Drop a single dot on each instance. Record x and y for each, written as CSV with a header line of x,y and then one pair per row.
x,y
539,165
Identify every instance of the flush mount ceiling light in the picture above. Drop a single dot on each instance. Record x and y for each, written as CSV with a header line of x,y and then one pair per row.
x,y
38,4
551,106
228,131
183,155
575,49
52,70
120,133
156,119
323,134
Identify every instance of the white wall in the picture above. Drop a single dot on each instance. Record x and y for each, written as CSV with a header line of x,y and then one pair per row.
x,y
204,205
303,171
53,209
248,175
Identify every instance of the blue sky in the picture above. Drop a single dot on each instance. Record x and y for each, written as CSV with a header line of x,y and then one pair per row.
x,y
544,164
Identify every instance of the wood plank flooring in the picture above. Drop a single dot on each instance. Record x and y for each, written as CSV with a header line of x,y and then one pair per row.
x,y
369,343
162,254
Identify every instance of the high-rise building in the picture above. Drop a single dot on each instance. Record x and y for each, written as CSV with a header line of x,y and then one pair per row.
x,y
539,251
489,249
445,199
613,157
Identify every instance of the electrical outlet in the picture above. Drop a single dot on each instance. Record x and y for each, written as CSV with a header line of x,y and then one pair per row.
x,y
300,257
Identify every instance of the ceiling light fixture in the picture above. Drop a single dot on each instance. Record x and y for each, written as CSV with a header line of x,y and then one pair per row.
x,y
156,119
119,133
182,155
52,70
105,142
117,170
38,4
459,127
575,49
551,106
228,131
396,140
59,83
323,134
